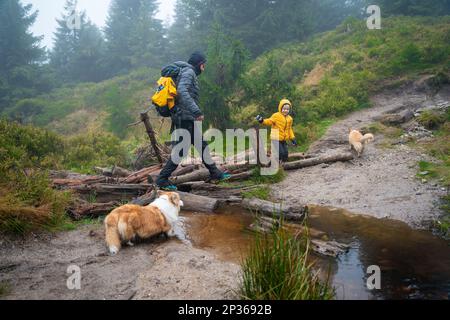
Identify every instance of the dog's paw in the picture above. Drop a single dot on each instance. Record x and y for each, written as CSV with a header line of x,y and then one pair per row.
x,y
130,244
171,233
113,250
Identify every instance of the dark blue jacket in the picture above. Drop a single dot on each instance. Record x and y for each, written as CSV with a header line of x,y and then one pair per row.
x,y
188,94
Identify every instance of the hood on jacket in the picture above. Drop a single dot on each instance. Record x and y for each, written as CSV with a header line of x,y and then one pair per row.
x,y
183,64
282,103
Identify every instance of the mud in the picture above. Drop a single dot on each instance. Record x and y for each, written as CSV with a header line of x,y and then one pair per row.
x,y
36,268
382,183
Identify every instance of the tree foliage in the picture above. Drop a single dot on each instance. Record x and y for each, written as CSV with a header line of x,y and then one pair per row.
x,y
135,38
20,54
77,54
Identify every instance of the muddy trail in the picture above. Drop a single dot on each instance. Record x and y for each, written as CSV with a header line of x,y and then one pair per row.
x,y
382,183
36,269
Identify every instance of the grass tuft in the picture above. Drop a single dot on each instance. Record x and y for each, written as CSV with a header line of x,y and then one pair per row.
x,y
277,268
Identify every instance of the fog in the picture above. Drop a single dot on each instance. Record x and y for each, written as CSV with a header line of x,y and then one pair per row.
x,y
97,11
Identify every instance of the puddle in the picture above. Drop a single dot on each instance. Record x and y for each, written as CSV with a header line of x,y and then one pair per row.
x,y
414,264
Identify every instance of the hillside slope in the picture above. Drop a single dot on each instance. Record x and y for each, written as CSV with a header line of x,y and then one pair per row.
x,y
336,72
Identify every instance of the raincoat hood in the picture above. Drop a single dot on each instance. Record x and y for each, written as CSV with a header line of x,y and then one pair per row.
x,y
282,103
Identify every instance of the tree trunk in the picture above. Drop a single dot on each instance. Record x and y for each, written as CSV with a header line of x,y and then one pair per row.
x,y
192,202
271,209
93,210
112,192
151,134
141,174
115,172
318,160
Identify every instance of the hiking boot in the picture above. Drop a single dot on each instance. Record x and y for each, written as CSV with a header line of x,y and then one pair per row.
x,y
221,178
167,187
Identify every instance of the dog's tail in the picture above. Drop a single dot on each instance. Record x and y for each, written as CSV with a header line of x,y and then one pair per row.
x,y
367,138
112,235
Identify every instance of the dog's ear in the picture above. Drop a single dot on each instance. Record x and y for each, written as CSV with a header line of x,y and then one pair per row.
x,y
175,199
159,193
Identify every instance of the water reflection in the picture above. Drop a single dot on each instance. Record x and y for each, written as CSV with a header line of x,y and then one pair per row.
x,y
414,264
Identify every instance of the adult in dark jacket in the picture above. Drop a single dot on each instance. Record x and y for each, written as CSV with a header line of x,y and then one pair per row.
x,y
187,111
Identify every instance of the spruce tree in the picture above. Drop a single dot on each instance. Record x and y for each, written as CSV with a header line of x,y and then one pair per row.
x,y
20,53
78,50
134,37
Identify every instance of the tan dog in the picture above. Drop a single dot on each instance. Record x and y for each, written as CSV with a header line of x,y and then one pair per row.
x,y
125,223
358,141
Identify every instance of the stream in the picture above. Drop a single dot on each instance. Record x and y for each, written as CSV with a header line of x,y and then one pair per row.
x,y
414,264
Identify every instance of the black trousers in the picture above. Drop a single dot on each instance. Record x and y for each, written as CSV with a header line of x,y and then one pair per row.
x,y
283,151
171,166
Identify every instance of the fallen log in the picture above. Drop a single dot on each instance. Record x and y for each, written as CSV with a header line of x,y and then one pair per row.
x,y
326,248
93,210
115,172
69,183
329,248
192,202
241,176
318,160
199,175
295,229
141,174
111,192
271,209
298,156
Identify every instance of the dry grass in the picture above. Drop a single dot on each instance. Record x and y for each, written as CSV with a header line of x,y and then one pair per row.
x,y
316,75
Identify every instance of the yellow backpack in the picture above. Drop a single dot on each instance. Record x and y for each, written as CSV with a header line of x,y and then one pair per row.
x,y
164,98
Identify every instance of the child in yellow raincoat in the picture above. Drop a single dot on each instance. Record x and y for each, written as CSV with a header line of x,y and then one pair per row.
x,y
281,123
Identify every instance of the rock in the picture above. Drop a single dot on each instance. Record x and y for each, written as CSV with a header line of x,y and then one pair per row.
x,y
424,180
424,173
396,118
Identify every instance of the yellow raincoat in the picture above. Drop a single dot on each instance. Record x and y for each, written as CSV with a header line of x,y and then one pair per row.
x,y
281,125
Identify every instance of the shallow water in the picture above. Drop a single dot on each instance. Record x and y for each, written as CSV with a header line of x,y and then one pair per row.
x,y
414,264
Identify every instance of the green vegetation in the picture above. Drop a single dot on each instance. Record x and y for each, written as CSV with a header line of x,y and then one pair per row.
x,y
277,268
27,201
391,134
308,134
335,72
4,289
257,178
438,147
431,120
262,193
85,151
74,110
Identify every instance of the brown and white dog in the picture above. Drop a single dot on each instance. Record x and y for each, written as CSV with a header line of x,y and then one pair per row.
x,y
125,223
358,142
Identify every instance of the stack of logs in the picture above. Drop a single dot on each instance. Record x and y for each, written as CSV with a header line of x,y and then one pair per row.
x,y
112,187
101,193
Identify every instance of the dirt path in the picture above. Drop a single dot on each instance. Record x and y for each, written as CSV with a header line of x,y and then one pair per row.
x,y
37,269
383,182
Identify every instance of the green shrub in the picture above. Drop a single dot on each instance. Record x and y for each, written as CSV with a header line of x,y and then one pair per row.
x,y
431,120
27,201
85,151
